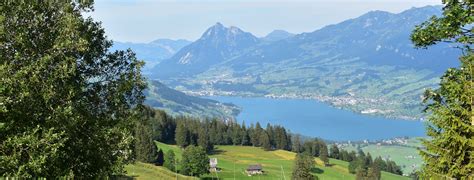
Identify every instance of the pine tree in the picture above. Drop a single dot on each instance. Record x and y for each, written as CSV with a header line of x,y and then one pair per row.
x,y
265,141
296,146
323,154
271,134
361,173
335,152
380,163
145,148
302,168
373,173
245,136
170,161
203,140
181,137
236,134
448,152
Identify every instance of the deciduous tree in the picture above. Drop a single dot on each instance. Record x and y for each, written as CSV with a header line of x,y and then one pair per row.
x,y
66,102
195,161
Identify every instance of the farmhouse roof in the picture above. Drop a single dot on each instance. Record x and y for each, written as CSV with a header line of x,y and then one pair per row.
x,y
256,167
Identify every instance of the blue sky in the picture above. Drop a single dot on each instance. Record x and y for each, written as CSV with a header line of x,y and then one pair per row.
x,y
147,20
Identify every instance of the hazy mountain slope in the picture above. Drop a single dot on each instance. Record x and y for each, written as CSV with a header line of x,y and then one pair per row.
x,y
215,45
177,103
154,52
277,35
366,64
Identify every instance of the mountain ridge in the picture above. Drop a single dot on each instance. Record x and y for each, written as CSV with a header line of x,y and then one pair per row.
x,y
360,64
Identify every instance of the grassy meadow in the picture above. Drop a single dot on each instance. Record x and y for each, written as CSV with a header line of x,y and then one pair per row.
x,y
406,156
233,160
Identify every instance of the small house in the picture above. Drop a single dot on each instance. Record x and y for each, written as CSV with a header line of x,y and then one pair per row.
x,y
254,169
213,164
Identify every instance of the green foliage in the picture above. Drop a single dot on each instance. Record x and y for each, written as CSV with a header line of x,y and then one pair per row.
x,y
66,104
181,136
170,160
145,148
203,139
45,146
334,151
195,161
302,168
296,144
323,154
451,122
237,158
454,26
265,141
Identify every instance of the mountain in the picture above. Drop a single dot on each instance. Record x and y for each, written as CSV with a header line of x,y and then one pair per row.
x,y
277,35
366,64
215,45
153,52
177,103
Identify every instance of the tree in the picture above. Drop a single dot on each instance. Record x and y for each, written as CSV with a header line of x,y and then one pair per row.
x,y
302,168
170,161
335,152
271,134
163,127
374,173
296,146
380,163
182,135
245,136
323,154
65,100
448,152
361,173
203,140
160,158
195,161
265,141
236,134
145,148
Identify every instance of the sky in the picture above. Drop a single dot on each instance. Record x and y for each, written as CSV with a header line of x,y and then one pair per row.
x,y
142,21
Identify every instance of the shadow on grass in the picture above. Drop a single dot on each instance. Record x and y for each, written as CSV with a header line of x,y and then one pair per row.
x,y
317,170
123,177
216,152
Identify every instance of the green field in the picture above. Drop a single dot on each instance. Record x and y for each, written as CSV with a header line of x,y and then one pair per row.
x,y
233,160
406,156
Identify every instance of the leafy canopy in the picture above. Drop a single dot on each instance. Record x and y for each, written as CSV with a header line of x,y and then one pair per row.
x,y
66,103
451,123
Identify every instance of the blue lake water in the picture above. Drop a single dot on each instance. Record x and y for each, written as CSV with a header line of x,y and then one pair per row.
x,y
317,119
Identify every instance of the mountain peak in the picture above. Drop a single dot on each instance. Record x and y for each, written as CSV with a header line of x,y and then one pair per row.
x,y
219,31
277,34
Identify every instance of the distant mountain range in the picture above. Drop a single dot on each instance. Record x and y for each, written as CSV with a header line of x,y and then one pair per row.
x,y
366,64
277,35
177,103
153,52
217,44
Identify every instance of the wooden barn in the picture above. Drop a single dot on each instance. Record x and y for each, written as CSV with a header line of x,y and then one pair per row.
x,y
254,169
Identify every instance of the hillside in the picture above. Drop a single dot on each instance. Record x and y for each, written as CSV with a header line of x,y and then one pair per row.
x,y
177,103
215,45
366,64
234,159
153,52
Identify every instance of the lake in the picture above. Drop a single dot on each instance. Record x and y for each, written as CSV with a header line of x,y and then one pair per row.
x,y
317,119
